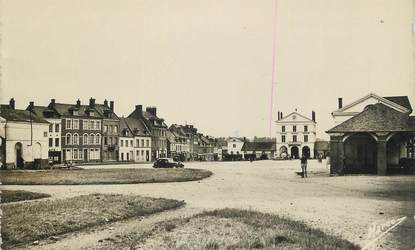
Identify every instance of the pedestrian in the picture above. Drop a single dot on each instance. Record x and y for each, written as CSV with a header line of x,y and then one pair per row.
x,y
304,165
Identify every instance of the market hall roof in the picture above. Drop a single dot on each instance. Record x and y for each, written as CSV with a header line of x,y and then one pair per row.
x,y
376,118
258,146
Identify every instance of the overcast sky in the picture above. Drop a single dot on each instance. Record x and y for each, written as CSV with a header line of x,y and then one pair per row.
x,y
208,63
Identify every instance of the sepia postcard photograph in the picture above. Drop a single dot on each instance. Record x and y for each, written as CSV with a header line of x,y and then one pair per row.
x,y
207,124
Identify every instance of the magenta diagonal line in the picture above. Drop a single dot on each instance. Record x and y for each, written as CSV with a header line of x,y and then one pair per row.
x,y
274,39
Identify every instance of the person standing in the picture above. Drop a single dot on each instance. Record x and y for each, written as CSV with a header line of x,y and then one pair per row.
x,y
304,165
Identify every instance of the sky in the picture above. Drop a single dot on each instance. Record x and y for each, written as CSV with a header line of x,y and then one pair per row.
x,y
208,63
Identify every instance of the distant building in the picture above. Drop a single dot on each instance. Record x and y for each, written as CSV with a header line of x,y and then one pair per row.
x,y
372,135
259,150
141,139
81,131
24,138
156,126
126,142
234,148
179,144
54,133
110,131
295,135
322,148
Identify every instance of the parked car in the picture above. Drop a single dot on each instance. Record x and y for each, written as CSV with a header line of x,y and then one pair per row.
x,y
167,163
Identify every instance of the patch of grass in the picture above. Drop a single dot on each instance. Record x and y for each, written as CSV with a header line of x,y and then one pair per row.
x,y
233,229
27,222
101,176
8,196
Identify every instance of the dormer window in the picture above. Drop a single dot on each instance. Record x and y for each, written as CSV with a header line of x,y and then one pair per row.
x,y
91,113
75,112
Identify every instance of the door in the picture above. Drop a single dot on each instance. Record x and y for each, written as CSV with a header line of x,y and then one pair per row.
x,y
85,154
19,155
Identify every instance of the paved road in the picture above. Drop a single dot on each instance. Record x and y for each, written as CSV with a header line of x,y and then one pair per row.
x,y
344,206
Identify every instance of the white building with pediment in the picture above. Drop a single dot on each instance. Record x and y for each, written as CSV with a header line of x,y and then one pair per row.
x,y
295,135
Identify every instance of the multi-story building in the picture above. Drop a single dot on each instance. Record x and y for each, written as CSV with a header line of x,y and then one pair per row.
x,y
157,128
110,131
192,139
81,131
142,139
178,143
55,128
126,142
24,138
296,135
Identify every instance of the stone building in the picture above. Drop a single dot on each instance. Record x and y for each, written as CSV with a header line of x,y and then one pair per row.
x,y
157,128
81,131
24,138
295,135
110,131
178,143
126,142
373,135
141,139
55,129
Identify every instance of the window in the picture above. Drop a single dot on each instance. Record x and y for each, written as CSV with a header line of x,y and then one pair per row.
x,y
51,128
105,140
75,139
45,134
68,124
91,125
85,142
126,143
68,139
56,127
105,128
85,125
142,142
294,128
305,138
234,145
111,141
80,154
148,143
283,138
138,143
294,138
76,124
56,142
305,128
283,128
98,139
110,128
98,125
132,143
122,143
115,129
91,113
91,139
75,154
50,142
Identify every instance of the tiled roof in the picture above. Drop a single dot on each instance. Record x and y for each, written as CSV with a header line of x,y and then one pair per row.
x,y
148,118
64,110
102,110
258,146
376,118
321,145
135,126
20,115
44,112
400,100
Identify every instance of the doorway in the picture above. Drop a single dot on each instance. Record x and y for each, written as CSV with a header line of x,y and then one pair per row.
x,y
19,155
295,152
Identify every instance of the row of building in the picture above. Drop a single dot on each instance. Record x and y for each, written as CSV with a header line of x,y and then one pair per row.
x,y
81,133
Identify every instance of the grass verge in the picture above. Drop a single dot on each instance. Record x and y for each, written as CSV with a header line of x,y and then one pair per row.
x,y
231,229
101,176
8,196
27,222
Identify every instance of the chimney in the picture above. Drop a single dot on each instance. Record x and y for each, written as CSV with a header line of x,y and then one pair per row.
x,y
340,103
31,106
52,103
139,110
112,106
105,103
313,116
78,103
92,103
152,110
12,103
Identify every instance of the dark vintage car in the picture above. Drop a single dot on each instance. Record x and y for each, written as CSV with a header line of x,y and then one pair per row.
x,y
167,163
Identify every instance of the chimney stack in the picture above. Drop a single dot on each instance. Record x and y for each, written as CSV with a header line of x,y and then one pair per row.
x,y
112,106
340,103
52,103
313,116
92,103
139,110
152,110
105,103
31,105
12,103
78,103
